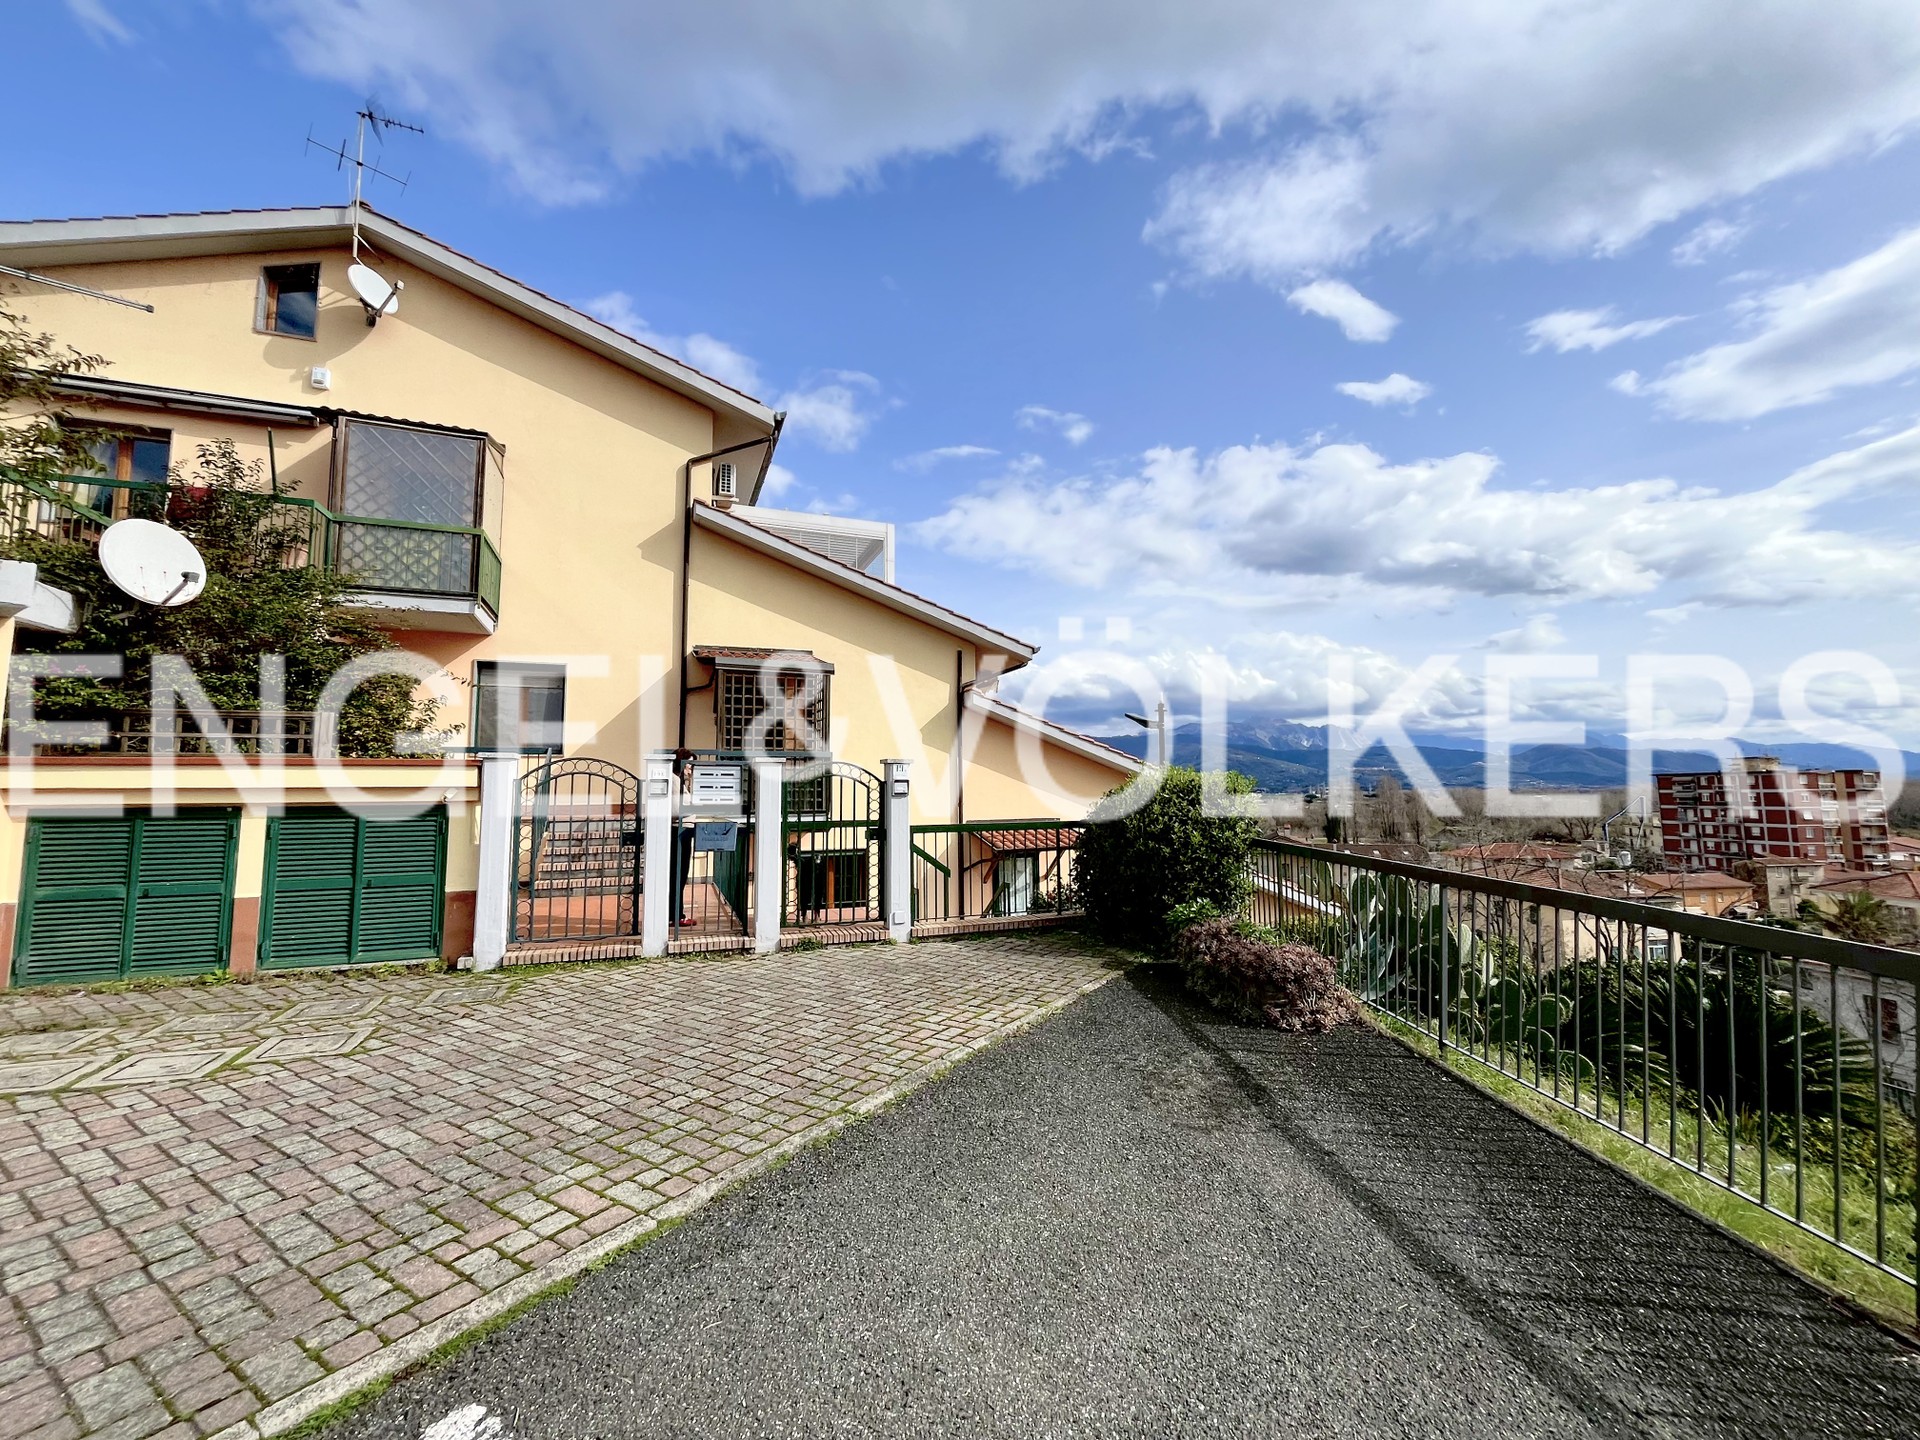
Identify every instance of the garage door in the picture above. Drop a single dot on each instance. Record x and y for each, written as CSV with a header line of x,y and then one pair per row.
x,y
112,899
345,889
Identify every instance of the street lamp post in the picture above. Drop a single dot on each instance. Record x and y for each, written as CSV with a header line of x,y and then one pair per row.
x,y
1159,734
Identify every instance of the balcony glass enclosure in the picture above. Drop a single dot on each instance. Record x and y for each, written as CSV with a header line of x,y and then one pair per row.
x,y
411,507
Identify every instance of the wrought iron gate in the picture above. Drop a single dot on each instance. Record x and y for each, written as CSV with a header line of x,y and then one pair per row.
x,y
830,823
580,863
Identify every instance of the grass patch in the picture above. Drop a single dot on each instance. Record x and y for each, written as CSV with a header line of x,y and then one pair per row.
x,y
1884,1296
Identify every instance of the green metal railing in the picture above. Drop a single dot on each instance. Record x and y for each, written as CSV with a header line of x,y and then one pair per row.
x,y
993,869
370,553
1776,1065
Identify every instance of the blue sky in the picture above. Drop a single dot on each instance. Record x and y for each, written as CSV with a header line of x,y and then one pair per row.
x,y
1039,283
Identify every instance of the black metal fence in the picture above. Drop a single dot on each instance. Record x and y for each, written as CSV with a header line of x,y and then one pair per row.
x,y
1775,1064
997,869
179,732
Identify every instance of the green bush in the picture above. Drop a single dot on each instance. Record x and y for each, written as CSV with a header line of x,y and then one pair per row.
x,y
1190,912
256,603
1133,869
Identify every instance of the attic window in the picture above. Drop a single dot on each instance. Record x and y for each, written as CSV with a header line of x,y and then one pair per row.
x,y
289,301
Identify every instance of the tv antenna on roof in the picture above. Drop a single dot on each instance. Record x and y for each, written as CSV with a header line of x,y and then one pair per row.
x,y
368,116
378,295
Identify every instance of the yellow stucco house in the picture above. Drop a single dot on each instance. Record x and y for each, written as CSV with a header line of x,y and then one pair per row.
x,y
563,520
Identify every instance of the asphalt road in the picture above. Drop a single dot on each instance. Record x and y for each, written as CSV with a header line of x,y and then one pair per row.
x,y
1135,1220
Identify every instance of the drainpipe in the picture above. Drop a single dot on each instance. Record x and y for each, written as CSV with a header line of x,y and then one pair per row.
x,y
960,687
686,549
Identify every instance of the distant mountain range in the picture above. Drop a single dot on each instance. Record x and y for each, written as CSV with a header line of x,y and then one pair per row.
x,y
1284,755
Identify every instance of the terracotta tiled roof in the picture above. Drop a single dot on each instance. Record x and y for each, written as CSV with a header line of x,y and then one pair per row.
x,y
753,652
1615,884
1696,880
1886,884
1004,842
1514,850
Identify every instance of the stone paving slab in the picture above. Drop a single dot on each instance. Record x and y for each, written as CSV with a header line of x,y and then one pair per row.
x,y
295,1181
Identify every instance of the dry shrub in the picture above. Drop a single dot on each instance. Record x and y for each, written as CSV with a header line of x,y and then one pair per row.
x,y
1256,977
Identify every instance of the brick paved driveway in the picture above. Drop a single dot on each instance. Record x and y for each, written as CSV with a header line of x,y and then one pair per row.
x,y
227,1204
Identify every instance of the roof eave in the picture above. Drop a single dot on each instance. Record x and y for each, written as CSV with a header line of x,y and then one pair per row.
x,y
50,244
1057,734
721,522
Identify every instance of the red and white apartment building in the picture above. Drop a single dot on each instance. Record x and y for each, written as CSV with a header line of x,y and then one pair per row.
x,y
1774,813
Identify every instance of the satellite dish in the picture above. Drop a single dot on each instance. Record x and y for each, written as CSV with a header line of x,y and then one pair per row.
x,y
380,295
151,562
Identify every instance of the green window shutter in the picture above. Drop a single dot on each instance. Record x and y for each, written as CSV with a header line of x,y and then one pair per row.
x,y
73,902
309,919
104,899
401,864
343,889
183,884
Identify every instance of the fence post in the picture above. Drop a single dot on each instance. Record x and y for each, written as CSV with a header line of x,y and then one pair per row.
x,y
493,886
896,856
769,859
656,886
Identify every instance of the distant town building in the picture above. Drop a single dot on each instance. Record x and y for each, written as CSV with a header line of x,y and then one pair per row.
x,y
1704,892
1817,817
1480,859
1897,890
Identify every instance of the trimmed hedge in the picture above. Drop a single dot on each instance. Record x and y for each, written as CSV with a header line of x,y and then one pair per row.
x,y
1132,869
1256,977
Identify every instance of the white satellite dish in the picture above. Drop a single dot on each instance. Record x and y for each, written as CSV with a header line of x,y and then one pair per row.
x,y
151,562
380,295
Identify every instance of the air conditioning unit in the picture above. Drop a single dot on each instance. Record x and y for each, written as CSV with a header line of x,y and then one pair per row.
x,y
723,482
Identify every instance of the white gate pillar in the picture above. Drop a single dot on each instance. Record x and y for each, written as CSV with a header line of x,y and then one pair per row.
x,y
493,886
657,797
769,860
896,856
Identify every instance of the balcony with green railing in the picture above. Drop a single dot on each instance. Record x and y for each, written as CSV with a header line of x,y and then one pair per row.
x,y
419,571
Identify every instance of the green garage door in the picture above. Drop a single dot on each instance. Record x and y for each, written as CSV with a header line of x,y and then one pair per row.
x,y
110,899
343,889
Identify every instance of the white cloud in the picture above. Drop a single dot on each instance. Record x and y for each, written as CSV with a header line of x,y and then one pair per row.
x,y
1358,317
835,413
1265,671
1858,324
1560,129
1260,525
925,460
98,21
1568,330
1396,389
1707,239
1539,633
780,480
706,354
1531,123
1074,429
